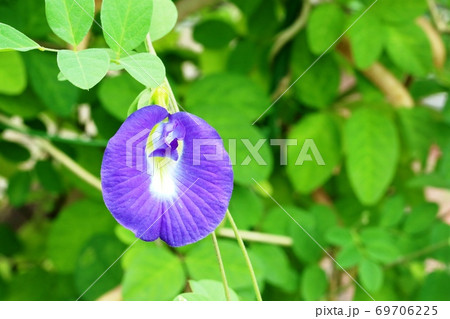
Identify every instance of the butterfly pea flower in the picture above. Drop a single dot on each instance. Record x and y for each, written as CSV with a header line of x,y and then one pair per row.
x,y
167,176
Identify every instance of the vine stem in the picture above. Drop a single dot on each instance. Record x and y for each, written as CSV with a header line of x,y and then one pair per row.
x,y
247,258
173,105
286,35
222,268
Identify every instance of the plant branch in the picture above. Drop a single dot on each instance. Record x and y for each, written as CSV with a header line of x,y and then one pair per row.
x,y
247,258
440,24
56,153
381,77
256,237
436,43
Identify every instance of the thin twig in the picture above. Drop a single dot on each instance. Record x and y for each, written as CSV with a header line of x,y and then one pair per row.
x,y
222,268
256,237
247,258
57,154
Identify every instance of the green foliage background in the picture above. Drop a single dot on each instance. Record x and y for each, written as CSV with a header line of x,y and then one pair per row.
x,y
372,207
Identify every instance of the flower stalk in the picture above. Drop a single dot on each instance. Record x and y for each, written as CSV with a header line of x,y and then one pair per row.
x,y
222,268
247,258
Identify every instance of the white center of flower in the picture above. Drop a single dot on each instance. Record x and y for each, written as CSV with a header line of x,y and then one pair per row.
x,y
162,180
163,149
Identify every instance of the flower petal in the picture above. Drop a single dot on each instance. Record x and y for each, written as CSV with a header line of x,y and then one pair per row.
x,y
187,199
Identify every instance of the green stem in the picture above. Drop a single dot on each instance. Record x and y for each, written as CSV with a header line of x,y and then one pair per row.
x,y
173,105
286,35
48,49
222,268
258,237
247,258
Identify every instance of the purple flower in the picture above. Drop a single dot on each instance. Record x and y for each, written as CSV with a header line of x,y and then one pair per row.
x,y
167,175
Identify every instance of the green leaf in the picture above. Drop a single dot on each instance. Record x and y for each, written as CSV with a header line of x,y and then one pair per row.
x,y
312,88
146,68
435,287
125,235
444,163
13,78
418,129
349,256
11,39
276,221
48,176
164,18
238,138
311,162
59,97
409,48
371,275
28,16
117,93
325,25
153,274
446,112
325,219
367,40
26,105
392,211
339,236
234,93
314,283
304,247
421,218
73,228
399,10
263,19
83,68
10,243
201,262
36,284
277,267
244,57
212,290
96,256
206,33
14,152
372,148
69,19
19,188
382,251
440,235
246,206
125,23
247,7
